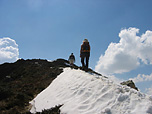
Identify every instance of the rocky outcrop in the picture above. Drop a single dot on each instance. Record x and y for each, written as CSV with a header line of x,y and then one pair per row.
x,y
21,81
130,83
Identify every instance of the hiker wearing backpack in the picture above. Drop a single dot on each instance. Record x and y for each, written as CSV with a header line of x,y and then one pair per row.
x,y
71,59
85,54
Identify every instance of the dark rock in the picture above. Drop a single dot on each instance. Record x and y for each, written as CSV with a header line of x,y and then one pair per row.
x,y
130,83
54,110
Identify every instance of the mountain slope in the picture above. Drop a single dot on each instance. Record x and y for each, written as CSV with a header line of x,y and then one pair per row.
x,y
87,93
24,79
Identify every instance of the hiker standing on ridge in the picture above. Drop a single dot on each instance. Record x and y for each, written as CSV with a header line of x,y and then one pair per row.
x,y
71,59
85,54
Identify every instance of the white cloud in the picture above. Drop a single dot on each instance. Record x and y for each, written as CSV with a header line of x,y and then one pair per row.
x,y
115,79
142,78
9,51
149,91
126,55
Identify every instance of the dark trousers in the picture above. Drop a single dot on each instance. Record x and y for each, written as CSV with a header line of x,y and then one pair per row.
x,y
85,64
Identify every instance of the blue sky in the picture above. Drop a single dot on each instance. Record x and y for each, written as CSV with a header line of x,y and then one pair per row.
x,y
51,29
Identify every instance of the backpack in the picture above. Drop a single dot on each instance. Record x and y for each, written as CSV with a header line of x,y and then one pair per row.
x,y
86,47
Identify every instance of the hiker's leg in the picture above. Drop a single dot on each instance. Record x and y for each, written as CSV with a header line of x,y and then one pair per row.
x,y
87,62
82,61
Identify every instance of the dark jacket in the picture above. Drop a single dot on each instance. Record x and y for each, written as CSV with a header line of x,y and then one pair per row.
x,y
85,49
72,57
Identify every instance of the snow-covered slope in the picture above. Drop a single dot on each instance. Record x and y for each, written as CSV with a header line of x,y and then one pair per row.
x,y
85,93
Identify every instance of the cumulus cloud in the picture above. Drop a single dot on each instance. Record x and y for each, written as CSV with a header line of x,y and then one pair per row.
x,y
127,54
115,79
9,51
142,78
149,91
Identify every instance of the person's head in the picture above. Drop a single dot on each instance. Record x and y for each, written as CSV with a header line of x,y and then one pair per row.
x,y
71,53
85,40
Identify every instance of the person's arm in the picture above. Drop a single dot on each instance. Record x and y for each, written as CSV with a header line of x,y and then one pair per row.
x,y
74,58
69,58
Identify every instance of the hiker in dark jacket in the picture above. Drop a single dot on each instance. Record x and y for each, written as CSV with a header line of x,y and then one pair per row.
x,y
85,54
71,59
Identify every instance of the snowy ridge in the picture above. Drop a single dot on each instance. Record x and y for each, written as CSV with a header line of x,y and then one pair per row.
x,y
84,93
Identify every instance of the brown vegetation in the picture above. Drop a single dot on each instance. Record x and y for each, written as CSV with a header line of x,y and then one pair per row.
x,y
21,81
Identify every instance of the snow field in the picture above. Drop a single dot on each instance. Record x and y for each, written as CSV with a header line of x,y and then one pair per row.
x,y
86,93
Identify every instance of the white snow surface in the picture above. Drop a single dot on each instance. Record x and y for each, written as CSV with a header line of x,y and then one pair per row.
x,y
85,93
